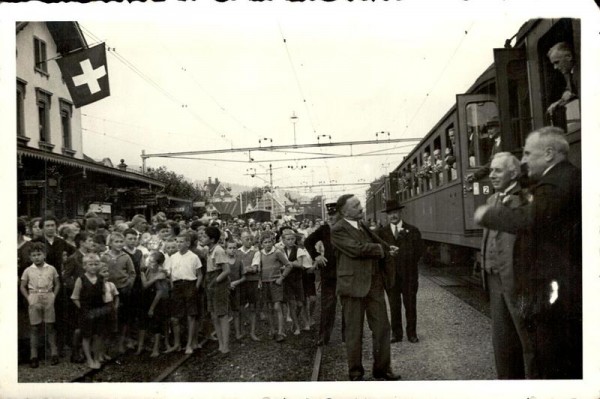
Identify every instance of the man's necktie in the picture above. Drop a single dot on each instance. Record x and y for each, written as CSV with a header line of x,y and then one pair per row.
x,y
395,231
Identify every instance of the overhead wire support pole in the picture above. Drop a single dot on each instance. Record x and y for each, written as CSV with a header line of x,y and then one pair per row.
x,y
281,147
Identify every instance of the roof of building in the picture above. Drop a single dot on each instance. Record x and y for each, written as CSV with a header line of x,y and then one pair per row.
x,y
66,34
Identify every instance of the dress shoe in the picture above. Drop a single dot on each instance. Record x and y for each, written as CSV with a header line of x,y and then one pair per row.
x,y
356,378
414,339
396,339
388,376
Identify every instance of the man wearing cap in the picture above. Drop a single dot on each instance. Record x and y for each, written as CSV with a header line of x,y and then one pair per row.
x,y
494,141
406,271
360,284
326,263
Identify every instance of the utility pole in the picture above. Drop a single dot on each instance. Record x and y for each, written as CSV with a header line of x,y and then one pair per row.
x,y
294,119
271,184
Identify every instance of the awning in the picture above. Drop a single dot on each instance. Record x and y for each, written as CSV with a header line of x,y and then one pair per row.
x,y
80,163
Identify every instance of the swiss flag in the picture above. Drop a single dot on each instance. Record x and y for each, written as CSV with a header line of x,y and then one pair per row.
x,y
86,75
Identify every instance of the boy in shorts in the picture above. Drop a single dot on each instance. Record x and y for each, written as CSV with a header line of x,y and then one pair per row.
x,y
184,269
40,285
88,296
293,286
270,262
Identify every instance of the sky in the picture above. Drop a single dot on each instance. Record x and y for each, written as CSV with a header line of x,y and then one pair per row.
x,y
229,79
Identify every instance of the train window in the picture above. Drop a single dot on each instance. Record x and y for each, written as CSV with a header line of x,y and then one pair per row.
x,y
482,119
414,186
437,163
450,154
561,73
426,170
403,184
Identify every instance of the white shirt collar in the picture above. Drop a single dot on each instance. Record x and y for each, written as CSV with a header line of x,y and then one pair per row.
x,y
548,169
244,250
510,187
353,223
398,226
270,252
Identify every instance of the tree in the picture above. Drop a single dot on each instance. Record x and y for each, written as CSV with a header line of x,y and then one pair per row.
x,y
175,185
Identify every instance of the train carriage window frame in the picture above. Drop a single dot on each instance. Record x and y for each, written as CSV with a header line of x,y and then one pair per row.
x,y
479,115
451,163
437,162
553,82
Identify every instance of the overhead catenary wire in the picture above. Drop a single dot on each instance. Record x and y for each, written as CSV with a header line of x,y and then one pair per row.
x,y
152,83
192,76
303,97
437,80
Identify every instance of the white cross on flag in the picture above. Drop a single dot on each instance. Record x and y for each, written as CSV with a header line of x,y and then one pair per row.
x,y
86,74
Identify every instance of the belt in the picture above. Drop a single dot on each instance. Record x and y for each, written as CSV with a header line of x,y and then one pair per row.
x,y
182,281
39,291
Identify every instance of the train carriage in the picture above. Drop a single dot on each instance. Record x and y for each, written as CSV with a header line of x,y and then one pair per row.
x,y
514,93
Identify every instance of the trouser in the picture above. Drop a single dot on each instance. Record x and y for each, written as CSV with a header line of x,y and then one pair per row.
x,y
403,292
558,346
354,310
513,348
328,304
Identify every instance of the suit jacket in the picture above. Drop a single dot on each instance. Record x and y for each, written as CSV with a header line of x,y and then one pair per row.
x,y
323,234
358,252
504,242
410,244
548,236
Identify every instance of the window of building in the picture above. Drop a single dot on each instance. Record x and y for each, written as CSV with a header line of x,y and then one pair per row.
x,y
66,112
43,108
40,56
21,111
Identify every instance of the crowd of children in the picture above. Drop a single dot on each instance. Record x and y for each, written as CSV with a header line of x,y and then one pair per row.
x,y
116,283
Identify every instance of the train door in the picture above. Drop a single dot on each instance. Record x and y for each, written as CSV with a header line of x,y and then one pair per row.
x,y
477,117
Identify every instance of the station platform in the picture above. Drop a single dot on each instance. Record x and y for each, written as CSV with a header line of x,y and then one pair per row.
x,y
455,341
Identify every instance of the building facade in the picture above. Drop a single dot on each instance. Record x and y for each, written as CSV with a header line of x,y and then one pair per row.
x,y
53,174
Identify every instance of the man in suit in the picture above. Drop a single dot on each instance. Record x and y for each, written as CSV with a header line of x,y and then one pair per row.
x,y
326,263
360,285
547,253
513,350
406,271
563,60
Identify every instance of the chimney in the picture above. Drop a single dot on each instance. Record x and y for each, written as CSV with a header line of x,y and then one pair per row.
x,y
209,180
216,181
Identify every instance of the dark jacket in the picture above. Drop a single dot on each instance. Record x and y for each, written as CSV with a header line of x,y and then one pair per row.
x,y
323,234
548,230
410,244
358,255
